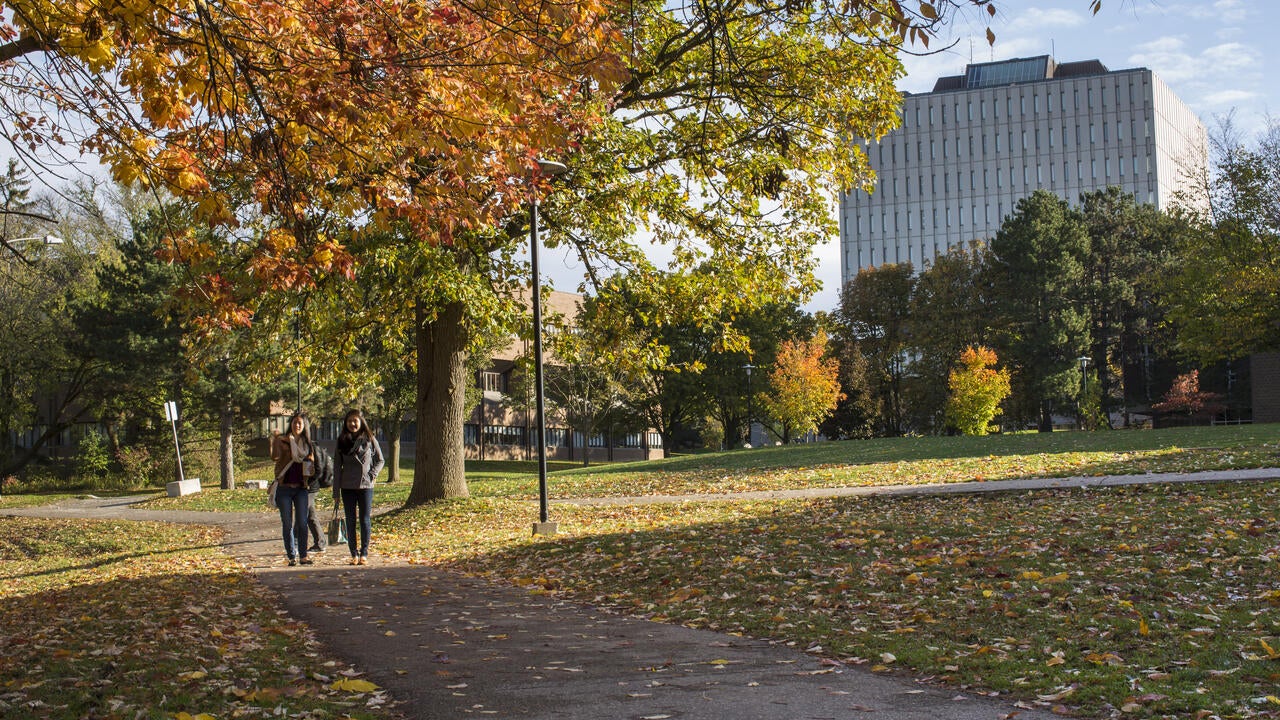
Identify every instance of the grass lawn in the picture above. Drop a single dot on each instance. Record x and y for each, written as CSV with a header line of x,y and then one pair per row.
x,y
142,620
853,463
1149,602
1146,602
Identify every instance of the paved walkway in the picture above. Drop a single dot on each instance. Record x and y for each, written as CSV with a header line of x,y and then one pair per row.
x,y
445,645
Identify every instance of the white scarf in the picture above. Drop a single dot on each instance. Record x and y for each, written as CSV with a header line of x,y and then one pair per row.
x,y
298,447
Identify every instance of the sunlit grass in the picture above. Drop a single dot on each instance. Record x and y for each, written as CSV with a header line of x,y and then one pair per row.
x,y
1142,602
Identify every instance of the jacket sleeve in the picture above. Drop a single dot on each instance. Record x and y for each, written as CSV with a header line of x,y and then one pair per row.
x,y
378,462
337,473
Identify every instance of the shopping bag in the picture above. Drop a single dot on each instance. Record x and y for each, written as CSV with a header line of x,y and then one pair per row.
x,y
337,529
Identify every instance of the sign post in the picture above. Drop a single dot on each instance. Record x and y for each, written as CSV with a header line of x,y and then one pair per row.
x,y
171,414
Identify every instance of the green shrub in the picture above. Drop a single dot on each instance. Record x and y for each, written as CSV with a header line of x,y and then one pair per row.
x,y
92,458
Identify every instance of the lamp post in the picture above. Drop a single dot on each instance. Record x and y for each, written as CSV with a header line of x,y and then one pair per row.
x,y
1084,385
546,168
750,402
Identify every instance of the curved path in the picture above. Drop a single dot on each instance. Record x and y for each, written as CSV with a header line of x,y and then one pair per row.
x,y
447,645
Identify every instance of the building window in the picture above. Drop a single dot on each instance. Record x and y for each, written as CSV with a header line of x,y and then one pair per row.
x,y
1022,104
1050,138
1093,169
503,435
969,107
1024,140
984,179
470,434
1092,137
493,382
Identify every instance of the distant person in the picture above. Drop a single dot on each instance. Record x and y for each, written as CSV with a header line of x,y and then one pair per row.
x,y
321,479
356,465
295,464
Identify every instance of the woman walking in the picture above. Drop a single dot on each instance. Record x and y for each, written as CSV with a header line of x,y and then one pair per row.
x,y
355,466
295,462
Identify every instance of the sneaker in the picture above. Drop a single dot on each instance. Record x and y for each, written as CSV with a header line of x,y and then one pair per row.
x,y
293,562
364,560
355,560
307,561
315,549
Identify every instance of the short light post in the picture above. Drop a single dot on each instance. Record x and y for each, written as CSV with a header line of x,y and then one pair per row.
x,y
1084,385
549,169
750,401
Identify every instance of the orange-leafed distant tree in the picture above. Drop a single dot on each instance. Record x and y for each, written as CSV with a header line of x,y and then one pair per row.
x,y
1187,399
977,389
803,387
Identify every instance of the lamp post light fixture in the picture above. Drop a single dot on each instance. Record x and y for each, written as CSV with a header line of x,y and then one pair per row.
x,y
1084,385
548,169
750,402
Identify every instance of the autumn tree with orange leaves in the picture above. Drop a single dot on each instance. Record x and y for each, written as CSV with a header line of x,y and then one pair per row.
x,y
803,387
387,151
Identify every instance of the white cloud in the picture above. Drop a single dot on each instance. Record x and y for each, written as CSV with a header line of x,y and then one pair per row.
x,y
1169,58
1228,98
1229,56
1044,19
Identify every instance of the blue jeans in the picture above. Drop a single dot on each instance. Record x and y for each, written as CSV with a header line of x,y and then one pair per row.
x,y
292,502
363,501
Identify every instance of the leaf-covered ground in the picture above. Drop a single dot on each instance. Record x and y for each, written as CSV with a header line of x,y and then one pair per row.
x,y
141,620
1126,602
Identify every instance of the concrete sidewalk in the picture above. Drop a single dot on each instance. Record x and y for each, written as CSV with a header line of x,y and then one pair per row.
x,y
446,645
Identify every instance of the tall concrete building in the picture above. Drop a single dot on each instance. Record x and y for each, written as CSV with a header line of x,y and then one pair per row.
x,y
970,149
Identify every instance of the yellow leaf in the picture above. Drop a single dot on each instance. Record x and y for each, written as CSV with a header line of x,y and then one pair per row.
x,y
194,675
1143,629
354,685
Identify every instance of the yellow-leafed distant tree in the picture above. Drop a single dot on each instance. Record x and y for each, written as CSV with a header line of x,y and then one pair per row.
x,y
977,389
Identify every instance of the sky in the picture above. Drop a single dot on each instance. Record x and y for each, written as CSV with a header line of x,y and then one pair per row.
x,y
1213,54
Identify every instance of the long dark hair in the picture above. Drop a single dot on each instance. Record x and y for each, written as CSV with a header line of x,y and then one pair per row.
x,y
347,439
306,428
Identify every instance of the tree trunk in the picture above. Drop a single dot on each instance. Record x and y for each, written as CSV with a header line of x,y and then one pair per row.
x,y
439,471
392,427
226,447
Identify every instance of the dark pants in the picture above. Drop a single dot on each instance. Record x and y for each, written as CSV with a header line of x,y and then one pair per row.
x,y
292,502
362,500
318,539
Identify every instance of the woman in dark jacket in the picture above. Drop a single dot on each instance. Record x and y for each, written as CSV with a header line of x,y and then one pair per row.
x,y
355,467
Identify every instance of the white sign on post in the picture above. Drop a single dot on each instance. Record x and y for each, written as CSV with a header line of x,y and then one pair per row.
x,y
182,486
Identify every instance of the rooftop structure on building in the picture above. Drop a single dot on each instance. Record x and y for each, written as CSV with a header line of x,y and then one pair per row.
x,y
970,149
